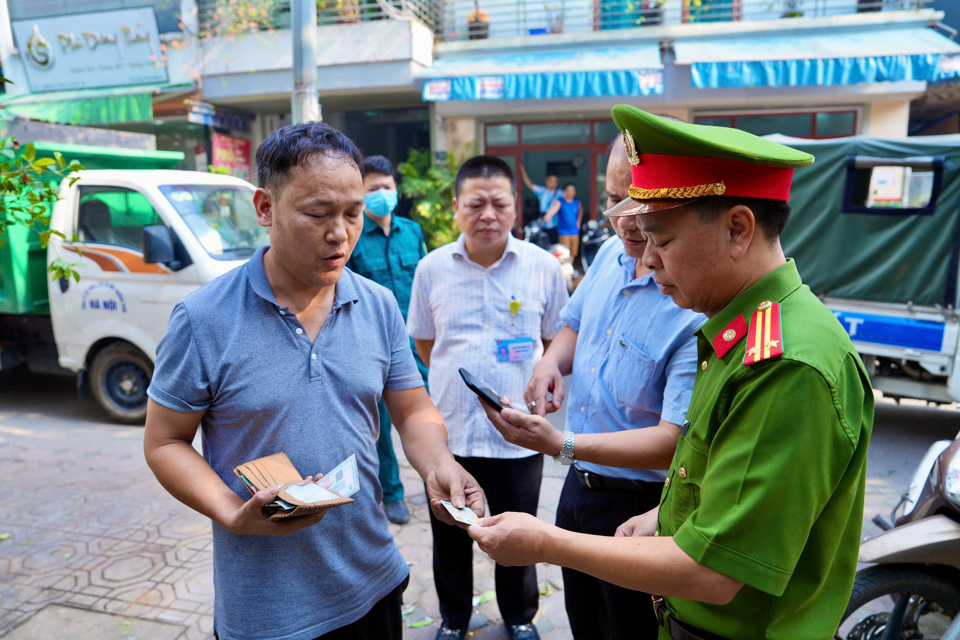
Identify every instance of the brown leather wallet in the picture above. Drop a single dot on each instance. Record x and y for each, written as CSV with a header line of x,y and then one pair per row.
x,y
274,470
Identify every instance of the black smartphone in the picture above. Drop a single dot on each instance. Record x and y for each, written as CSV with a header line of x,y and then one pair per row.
x,y
486,393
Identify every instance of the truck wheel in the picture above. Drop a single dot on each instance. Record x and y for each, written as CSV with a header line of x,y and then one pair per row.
x,y
119,377
923,599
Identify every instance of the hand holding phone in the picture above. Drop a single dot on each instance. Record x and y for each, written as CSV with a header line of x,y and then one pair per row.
x,y
485,393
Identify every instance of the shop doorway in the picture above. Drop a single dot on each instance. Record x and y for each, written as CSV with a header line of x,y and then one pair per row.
x,y
575,152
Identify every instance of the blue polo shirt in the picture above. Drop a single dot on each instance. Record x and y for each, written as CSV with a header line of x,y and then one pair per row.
x,y
232,350
636,356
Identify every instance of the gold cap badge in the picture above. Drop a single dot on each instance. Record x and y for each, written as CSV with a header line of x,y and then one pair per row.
x,y
631,148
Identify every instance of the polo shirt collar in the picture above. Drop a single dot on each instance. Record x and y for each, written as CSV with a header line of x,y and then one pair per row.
x,y
346,290
775,286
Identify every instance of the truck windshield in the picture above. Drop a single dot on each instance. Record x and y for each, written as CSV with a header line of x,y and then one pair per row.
x,y
221,217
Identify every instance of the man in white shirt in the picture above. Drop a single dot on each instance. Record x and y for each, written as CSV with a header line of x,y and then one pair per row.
x,y
489,303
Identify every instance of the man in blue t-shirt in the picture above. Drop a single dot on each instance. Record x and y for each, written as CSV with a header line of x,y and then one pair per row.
x,y
547,194
290,353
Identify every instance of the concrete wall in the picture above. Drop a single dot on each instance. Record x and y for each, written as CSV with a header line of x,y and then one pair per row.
x,y
887,119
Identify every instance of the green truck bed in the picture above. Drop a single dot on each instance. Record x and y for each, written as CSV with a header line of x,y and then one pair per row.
x,y
859,235
23,262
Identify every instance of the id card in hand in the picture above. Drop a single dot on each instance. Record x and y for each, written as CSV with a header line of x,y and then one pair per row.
x,y
344,479
464,515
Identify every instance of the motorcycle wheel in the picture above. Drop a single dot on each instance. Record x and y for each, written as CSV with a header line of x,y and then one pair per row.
x,y
921,601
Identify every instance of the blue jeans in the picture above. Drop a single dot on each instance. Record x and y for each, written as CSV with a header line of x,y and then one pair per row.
x,y
389,467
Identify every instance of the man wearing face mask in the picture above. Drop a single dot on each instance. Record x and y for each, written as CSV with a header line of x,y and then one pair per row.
x,y
387,253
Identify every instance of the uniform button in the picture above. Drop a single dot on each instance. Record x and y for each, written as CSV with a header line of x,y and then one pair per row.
x,y
703,365
682,472
729,335
626,292
593,369
656,533
299,331
609,331
313,356
582,409
666,483
282,312
763,306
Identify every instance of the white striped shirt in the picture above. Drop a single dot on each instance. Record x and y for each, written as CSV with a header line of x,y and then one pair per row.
x,y
465,308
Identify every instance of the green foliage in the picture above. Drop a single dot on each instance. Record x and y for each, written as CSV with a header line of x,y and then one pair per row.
x,y
221,170
432,188
29,186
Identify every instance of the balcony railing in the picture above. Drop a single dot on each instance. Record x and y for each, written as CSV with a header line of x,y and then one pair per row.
x,y
478,19
234,17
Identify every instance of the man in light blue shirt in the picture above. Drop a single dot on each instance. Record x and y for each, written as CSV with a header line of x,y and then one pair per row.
x,y
632,355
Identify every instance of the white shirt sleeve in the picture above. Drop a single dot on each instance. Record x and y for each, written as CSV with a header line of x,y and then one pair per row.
x,y
557,297
419,315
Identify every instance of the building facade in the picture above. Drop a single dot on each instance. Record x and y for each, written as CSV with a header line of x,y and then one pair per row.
x,y
532,82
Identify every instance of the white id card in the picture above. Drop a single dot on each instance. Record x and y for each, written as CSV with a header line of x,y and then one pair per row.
x,y
309,492
464,515
344,479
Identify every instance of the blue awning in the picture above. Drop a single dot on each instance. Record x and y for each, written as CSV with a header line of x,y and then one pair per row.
x,y
590,73
829,59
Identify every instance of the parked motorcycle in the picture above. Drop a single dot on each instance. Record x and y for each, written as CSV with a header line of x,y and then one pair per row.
x,y
591,241
913,588
534,233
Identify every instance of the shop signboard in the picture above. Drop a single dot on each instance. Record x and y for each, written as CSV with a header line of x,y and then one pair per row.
x,y
91,50
437,90
233,154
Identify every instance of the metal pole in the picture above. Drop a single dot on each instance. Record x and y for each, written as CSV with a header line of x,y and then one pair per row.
x,y
305,101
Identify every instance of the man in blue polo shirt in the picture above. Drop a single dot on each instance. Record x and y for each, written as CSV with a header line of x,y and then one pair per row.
x,y
291,353
632,354
389,249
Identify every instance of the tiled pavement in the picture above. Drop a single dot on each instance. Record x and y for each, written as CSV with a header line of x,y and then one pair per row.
x,y
83,524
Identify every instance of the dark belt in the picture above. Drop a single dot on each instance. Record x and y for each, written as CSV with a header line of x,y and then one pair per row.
x,y
596,481
678,630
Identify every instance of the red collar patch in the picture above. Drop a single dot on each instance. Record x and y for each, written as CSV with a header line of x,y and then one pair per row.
x,y
730,336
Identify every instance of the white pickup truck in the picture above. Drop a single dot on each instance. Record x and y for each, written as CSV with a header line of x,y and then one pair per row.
x,y
146,239
875,232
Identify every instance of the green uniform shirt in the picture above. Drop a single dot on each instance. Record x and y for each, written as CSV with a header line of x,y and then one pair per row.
x,y
767,483
390,260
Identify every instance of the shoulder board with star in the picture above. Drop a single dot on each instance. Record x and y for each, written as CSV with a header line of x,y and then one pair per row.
x,y
764,338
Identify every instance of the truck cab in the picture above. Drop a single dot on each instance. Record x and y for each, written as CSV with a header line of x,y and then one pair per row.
x,y
141,241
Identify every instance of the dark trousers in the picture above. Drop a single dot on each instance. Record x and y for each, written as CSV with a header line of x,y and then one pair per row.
x,y
509,485
599,610
382,622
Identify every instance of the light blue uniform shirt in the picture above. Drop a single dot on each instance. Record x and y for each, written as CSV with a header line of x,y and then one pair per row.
x,y
636,354
232,350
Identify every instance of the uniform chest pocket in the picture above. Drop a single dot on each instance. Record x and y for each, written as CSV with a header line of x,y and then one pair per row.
x,y
686,479
409,260
370,265
629,374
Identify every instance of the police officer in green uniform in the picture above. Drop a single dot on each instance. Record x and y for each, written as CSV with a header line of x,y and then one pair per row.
x,y
758,529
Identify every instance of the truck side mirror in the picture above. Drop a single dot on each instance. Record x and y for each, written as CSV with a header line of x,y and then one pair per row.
x,y
157,245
